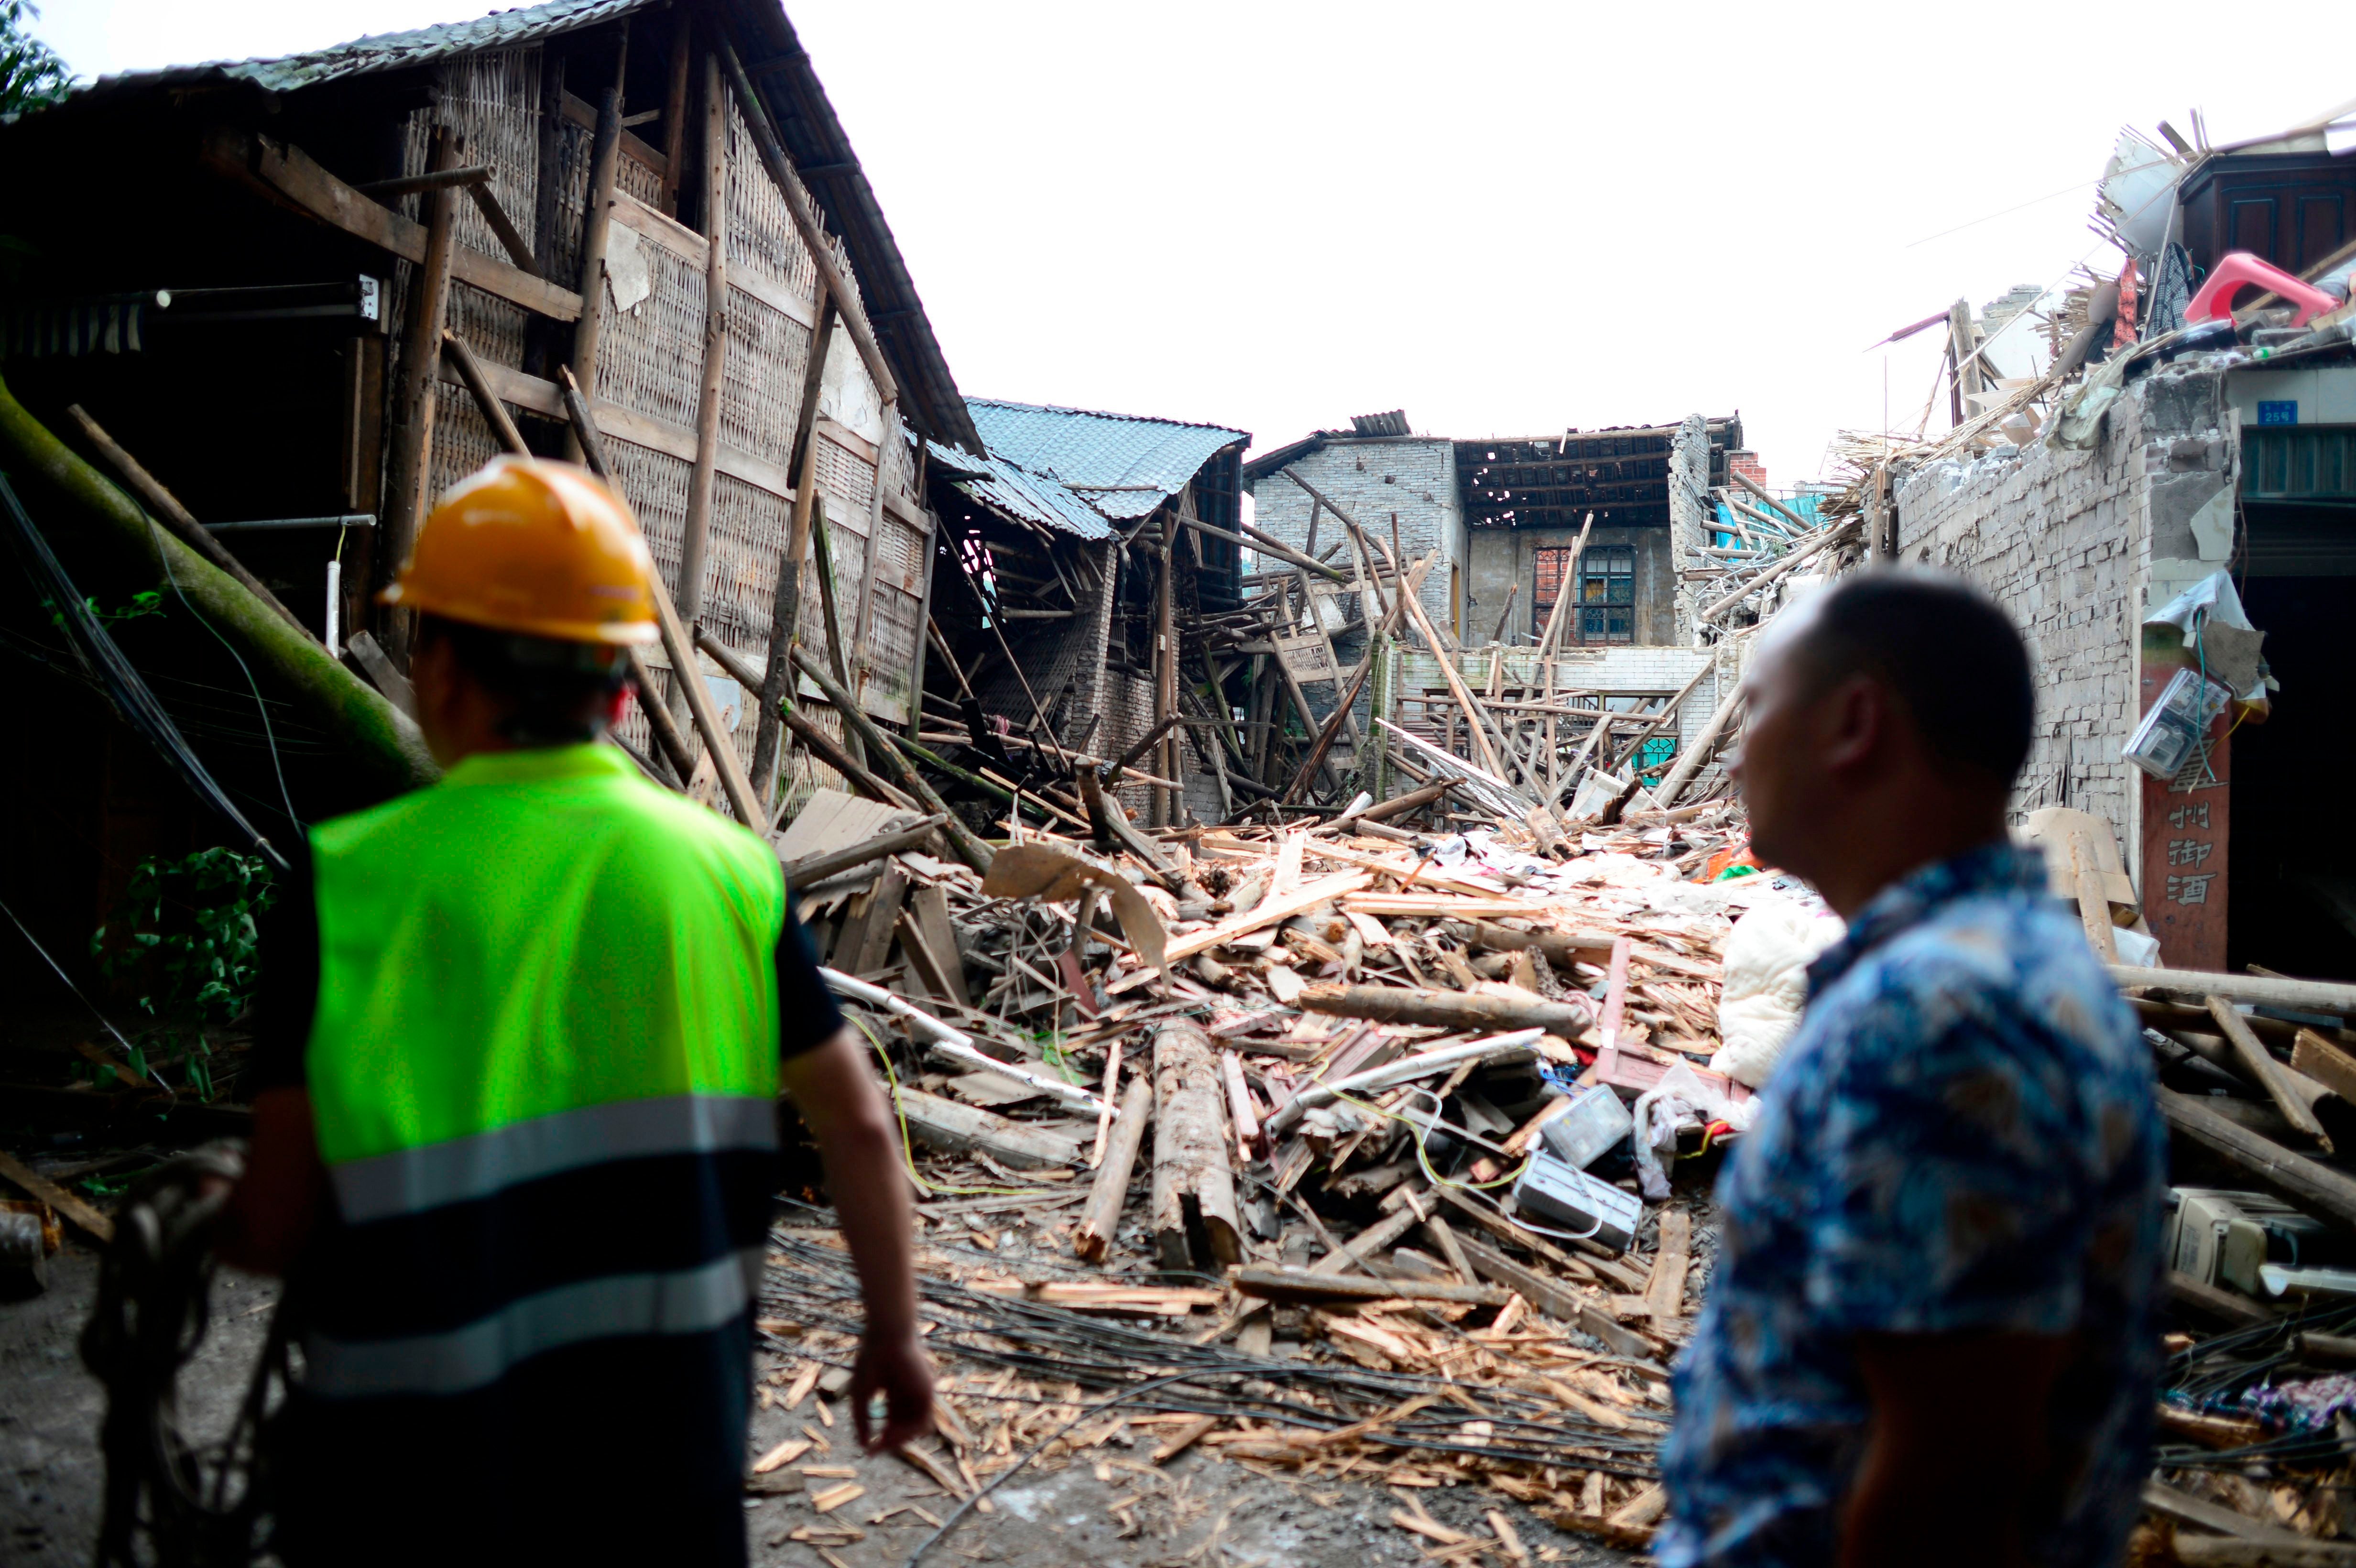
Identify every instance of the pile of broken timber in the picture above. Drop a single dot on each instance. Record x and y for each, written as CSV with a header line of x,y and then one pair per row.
x,y
2258,1083
1270,1086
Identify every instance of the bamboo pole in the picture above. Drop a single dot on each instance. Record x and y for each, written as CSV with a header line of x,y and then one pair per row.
x,y
785,610
596,227
383,745
696,536
409,464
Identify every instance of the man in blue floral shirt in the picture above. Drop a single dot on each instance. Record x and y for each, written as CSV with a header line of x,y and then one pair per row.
x,y
1930,1334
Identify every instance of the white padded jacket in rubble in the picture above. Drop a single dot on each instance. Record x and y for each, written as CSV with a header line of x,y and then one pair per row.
x,y
1767,955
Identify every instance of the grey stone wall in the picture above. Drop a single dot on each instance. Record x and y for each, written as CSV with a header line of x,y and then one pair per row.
x,y
2077,546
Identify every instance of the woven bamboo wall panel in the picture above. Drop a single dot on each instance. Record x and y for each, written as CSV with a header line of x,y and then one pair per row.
x,y
900,556
654,483
650,356
740,575
803,774
640,181
890,652
761,235
761,386
461,442
573,146
844,475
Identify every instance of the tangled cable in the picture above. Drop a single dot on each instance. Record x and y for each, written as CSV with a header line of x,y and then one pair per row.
x,y
168,1501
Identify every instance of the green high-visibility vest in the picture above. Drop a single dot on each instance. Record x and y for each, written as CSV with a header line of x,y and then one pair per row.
x,y
543,934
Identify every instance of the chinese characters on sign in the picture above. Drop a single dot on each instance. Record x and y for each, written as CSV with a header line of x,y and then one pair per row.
x,y
2185,843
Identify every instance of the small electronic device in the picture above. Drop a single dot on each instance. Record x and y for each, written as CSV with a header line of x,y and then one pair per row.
x,y
1594,1121
2224,1238
1560,1196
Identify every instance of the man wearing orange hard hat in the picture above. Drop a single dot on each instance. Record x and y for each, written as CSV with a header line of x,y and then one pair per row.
x,y
520,1041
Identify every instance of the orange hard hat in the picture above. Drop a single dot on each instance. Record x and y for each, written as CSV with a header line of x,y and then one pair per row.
x,y
537,546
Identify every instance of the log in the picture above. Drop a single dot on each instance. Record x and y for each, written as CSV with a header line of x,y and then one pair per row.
x,y
409,458
960,1130
1284,906
2265,990
1448,1009
382,745
2302,1180
823,746
812,869
1101,1218
2266,1072
99,1226
462,359
1393,1073
1192,1183
1562,948
1699,752
2227,1306
168,511
1293,1286
2224,1551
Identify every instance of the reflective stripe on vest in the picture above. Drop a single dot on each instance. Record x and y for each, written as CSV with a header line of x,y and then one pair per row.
x,y
409,1181
682,1301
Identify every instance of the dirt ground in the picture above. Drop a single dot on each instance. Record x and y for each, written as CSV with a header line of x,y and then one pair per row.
x,y
1108,1508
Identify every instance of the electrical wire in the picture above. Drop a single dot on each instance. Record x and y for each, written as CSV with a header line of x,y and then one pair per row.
x,y
131,1049
165,556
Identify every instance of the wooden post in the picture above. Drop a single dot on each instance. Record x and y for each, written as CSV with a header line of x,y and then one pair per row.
x,y
1093,1237
596,227
682,41
863,622
695,537
786,608
409,465
1699,752
1164,803
1190,1156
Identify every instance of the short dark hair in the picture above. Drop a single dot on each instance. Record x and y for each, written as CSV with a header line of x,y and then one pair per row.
x,y
1952,655
557,692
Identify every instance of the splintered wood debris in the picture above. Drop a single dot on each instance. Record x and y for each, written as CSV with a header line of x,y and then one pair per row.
x,y
1223,1137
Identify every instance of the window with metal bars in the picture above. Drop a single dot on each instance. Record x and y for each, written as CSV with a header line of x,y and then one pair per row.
x,y
1607,594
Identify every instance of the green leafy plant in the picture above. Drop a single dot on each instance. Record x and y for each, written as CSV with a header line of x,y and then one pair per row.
x,y
184,939
31,74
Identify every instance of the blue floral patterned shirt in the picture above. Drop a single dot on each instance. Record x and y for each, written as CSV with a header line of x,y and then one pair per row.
x,y
1963,1134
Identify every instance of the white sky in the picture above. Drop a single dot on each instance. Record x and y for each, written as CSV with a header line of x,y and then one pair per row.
x,y
1507,219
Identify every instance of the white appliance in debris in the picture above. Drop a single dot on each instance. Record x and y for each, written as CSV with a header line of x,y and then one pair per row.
x,y
2222,1237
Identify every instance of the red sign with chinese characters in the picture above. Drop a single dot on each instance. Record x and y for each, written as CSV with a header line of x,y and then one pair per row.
x,y
2185,839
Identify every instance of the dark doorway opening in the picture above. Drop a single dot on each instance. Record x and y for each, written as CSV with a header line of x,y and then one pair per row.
x,y
2293,872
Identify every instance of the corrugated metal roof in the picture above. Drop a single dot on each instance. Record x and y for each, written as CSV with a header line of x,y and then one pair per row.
x,y
1122,464
383,51
999,485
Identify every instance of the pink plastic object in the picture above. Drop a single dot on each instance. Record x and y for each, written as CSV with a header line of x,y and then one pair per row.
x,y
2238,270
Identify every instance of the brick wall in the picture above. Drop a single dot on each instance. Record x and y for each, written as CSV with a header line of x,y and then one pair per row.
x,y
2077,546
1413,478
1747,464
1690,516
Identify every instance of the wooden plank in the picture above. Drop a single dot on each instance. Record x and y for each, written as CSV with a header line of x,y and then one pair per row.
x,y
293,174
930,907
2223,1306
1664,1292
2220,1551
1270,911
2266,1072
2265,990
1295,1286
882,923
945,1124
2325,1062
2296,1178
1101,1218
57,1198
542,397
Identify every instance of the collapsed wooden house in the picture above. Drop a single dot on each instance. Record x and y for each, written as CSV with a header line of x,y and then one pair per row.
x,y
301,296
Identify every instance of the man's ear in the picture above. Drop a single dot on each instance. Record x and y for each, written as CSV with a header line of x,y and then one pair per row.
x,y
1854,725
